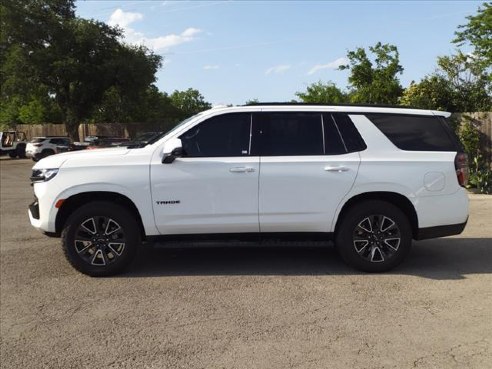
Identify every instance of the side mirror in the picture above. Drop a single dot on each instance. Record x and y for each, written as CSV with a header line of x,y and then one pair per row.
x,y
169,158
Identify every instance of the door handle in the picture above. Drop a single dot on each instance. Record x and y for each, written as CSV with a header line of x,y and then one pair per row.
x,y
339,169
242,170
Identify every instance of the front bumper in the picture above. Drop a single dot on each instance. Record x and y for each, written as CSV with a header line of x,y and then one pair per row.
x,y
42,212
32,154
34,209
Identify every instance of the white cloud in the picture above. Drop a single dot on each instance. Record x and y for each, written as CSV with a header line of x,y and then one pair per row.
x,y
277,69
210,67
165,42
123,20
332,65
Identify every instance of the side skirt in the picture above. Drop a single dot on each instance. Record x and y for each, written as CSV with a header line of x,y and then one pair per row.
x,y
241,239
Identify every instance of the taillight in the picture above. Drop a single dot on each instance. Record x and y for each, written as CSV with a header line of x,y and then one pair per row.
x,y
462,170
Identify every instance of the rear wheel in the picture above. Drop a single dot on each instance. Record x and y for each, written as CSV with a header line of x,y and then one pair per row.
x,y
46,153
100,239
13,154
374,236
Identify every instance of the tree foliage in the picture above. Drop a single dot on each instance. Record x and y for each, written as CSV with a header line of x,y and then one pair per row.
x,y
189,102
374,80
72,60
458,85
478,33
472,87
323,93
433,92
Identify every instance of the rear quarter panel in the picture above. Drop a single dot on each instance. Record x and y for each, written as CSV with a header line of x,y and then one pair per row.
x,y
427,179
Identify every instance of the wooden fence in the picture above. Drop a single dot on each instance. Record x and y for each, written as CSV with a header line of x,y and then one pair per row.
x,y
482,121
130,130
49,129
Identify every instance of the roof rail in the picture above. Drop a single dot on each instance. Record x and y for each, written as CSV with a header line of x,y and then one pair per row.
x,y
321,104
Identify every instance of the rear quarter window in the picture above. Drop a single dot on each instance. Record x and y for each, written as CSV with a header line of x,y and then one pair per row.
x,y
350,135
416,132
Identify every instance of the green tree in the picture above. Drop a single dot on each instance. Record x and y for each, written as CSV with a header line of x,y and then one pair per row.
x,y
466,77
458,85
478,33
189,102
374,80
150,106
323,93
27,29
252,102
76,60
432,92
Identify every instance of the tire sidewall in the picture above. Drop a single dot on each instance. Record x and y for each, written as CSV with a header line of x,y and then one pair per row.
x,y
122,216
344,236
47,152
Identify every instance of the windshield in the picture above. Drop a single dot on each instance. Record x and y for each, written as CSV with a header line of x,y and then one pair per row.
x,y
38,139
144,137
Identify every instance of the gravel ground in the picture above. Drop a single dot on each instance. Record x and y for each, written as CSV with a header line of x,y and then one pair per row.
x,y
296,307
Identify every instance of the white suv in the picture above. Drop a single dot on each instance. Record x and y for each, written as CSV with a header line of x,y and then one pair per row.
x,y
41,147
372,179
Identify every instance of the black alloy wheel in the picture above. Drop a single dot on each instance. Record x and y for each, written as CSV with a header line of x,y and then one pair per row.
x,y
101,238
373,236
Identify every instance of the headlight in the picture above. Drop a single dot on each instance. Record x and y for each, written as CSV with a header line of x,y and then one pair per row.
x,y
43,175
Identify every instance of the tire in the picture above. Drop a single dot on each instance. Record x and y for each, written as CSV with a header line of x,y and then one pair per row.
x,y
21,151
101,239
374,236
46,153
13,154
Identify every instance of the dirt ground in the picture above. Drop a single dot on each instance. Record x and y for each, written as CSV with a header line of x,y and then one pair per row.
x,y
295,307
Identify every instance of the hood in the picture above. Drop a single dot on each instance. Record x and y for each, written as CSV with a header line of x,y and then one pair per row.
x,y
89,156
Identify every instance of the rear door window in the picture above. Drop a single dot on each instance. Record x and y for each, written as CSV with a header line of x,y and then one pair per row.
x,y
289,134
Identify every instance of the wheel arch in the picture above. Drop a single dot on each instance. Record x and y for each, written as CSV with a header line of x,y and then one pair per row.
x,y
75,201
397,199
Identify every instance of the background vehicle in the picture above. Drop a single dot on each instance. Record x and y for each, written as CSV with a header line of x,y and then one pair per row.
x,y
13,143
369,178
41,147
106,141
142,139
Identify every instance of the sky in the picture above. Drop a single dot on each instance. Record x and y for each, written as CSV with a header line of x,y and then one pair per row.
x,y
235,51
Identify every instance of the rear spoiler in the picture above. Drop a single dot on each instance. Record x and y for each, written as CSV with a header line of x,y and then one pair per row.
x,y
439,113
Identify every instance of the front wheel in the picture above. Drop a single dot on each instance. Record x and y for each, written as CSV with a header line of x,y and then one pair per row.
x,y
374,236
100,239
21,151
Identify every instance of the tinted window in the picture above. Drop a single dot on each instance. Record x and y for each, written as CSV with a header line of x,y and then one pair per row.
x,y
415,133
38,140
285,134
223,135
350,135
333,141
60,141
